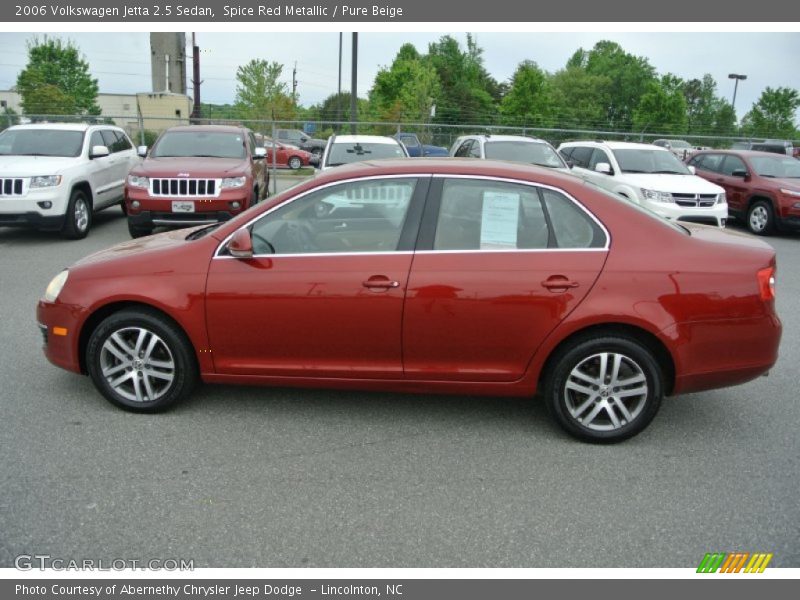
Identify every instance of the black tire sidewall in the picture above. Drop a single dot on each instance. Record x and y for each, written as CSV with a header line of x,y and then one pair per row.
x,y
70,229
182,353
571,356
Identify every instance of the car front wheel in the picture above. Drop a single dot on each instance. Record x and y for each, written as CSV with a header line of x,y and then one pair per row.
x,y
141,361
79,216
295,163
760,218
604,389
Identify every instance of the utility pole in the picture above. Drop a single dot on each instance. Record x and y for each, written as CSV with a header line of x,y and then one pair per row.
x,y
196,111
354,86
294,83
339,88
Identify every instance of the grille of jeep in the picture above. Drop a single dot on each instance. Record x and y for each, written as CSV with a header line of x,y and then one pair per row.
x,y
184,187
11,187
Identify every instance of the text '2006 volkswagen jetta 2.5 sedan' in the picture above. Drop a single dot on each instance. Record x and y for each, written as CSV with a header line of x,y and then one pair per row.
x,y
432,275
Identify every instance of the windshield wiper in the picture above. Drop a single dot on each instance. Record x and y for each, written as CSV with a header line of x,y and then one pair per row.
x,y
770,176
669,173
633,171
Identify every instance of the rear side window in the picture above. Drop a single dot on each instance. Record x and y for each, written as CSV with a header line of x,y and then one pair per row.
x,y
581,156
708,162
494,215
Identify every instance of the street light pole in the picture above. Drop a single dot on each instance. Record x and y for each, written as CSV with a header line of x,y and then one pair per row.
x,y
737,77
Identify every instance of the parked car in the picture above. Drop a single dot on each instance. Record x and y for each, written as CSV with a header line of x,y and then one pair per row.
x,y
416,148
298,138
680,148
345,149
516,148
195,174
490,278
53,177
774,146
286,155
763,189
650,176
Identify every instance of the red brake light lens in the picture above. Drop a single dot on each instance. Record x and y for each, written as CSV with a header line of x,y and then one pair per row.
x,y
766,283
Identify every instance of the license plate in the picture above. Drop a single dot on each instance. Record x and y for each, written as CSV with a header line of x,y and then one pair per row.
x,y
182,207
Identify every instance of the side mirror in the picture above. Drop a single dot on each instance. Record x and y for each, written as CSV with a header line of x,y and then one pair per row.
x,y
259,153
303,139
740,173
692,170
98,152
603,167
141,151
241,244
570,164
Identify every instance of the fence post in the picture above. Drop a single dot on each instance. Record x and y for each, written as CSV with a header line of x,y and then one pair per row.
x,y
274,161
141,130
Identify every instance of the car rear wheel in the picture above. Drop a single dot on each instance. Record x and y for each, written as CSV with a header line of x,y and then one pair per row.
x,y
79,216
295,163
760,218
141,361
604,389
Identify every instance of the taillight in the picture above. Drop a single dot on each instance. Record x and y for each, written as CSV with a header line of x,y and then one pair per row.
x,y
766,283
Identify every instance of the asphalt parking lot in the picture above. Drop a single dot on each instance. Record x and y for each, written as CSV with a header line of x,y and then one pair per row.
x,y
240,477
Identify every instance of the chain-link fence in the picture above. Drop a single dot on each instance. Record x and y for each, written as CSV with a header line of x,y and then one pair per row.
x,y
144,129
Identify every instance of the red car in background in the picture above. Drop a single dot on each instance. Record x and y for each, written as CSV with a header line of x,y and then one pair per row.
x,y
432,275
285,155
762,188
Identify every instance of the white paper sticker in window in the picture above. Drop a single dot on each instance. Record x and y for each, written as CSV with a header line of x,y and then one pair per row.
x,y
499,220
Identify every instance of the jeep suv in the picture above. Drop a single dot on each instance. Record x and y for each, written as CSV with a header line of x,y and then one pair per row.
x,y
54,176
763,188
650,176
193,175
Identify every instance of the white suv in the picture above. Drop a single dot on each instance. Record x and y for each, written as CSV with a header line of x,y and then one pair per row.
x,y
650,176
516,148
53,176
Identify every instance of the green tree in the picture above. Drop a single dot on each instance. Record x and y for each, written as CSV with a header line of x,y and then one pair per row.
x,y
56,80
629,75
260,94
662,108
773,115
529,100
580,99
407,89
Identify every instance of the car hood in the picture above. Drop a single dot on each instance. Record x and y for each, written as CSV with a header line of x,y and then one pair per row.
x,y
198,167
30,166
140,246
674,184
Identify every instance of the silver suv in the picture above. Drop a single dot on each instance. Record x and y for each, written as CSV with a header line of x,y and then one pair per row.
x,y
516,148
54,176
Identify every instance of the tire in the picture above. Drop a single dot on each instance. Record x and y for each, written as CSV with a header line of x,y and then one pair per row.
x,y
580,394
295,163
760,218
160,373
137,232
78,219
124,208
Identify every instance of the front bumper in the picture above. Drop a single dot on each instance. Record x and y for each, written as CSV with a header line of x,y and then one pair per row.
x,y
149,219
27,210
59,328
713,215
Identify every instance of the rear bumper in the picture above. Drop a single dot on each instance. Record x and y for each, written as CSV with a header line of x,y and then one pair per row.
x,y
714,354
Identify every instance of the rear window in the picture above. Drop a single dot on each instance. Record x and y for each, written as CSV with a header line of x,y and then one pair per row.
x,y
345,153
535,153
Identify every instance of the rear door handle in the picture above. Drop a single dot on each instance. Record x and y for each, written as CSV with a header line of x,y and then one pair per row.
x,y
559,282
380,282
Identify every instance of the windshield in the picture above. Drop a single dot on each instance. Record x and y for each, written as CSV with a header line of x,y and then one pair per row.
x,y
41,142
345,153
199,143
767,166
535,153
635,160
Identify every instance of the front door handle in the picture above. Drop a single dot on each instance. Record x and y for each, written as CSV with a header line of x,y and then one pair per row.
x,y
559,282
380,282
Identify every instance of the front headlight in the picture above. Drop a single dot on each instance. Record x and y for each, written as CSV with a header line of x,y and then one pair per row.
x,y
45,181
138,181
55,286
790,192
233,182
655,196
722,198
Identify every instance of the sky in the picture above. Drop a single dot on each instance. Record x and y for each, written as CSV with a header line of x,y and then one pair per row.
x,y
120,61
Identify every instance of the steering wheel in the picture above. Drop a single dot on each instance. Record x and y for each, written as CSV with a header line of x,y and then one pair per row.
x,y
300,237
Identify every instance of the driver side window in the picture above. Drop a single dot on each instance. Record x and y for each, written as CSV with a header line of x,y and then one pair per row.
x,y
359,216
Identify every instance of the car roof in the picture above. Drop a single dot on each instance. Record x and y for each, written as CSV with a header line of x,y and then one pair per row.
x,y
613,145
62,126
745,153
209,128
487,137
362,139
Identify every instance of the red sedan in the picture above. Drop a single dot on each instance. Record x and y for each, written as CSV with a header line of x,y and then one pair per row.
x,y
286,156
456,276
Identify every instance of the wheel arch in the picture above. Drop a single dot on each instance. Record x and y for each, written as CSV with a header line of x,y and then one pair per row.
x,y
756,196
86,188
105,311
649,340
